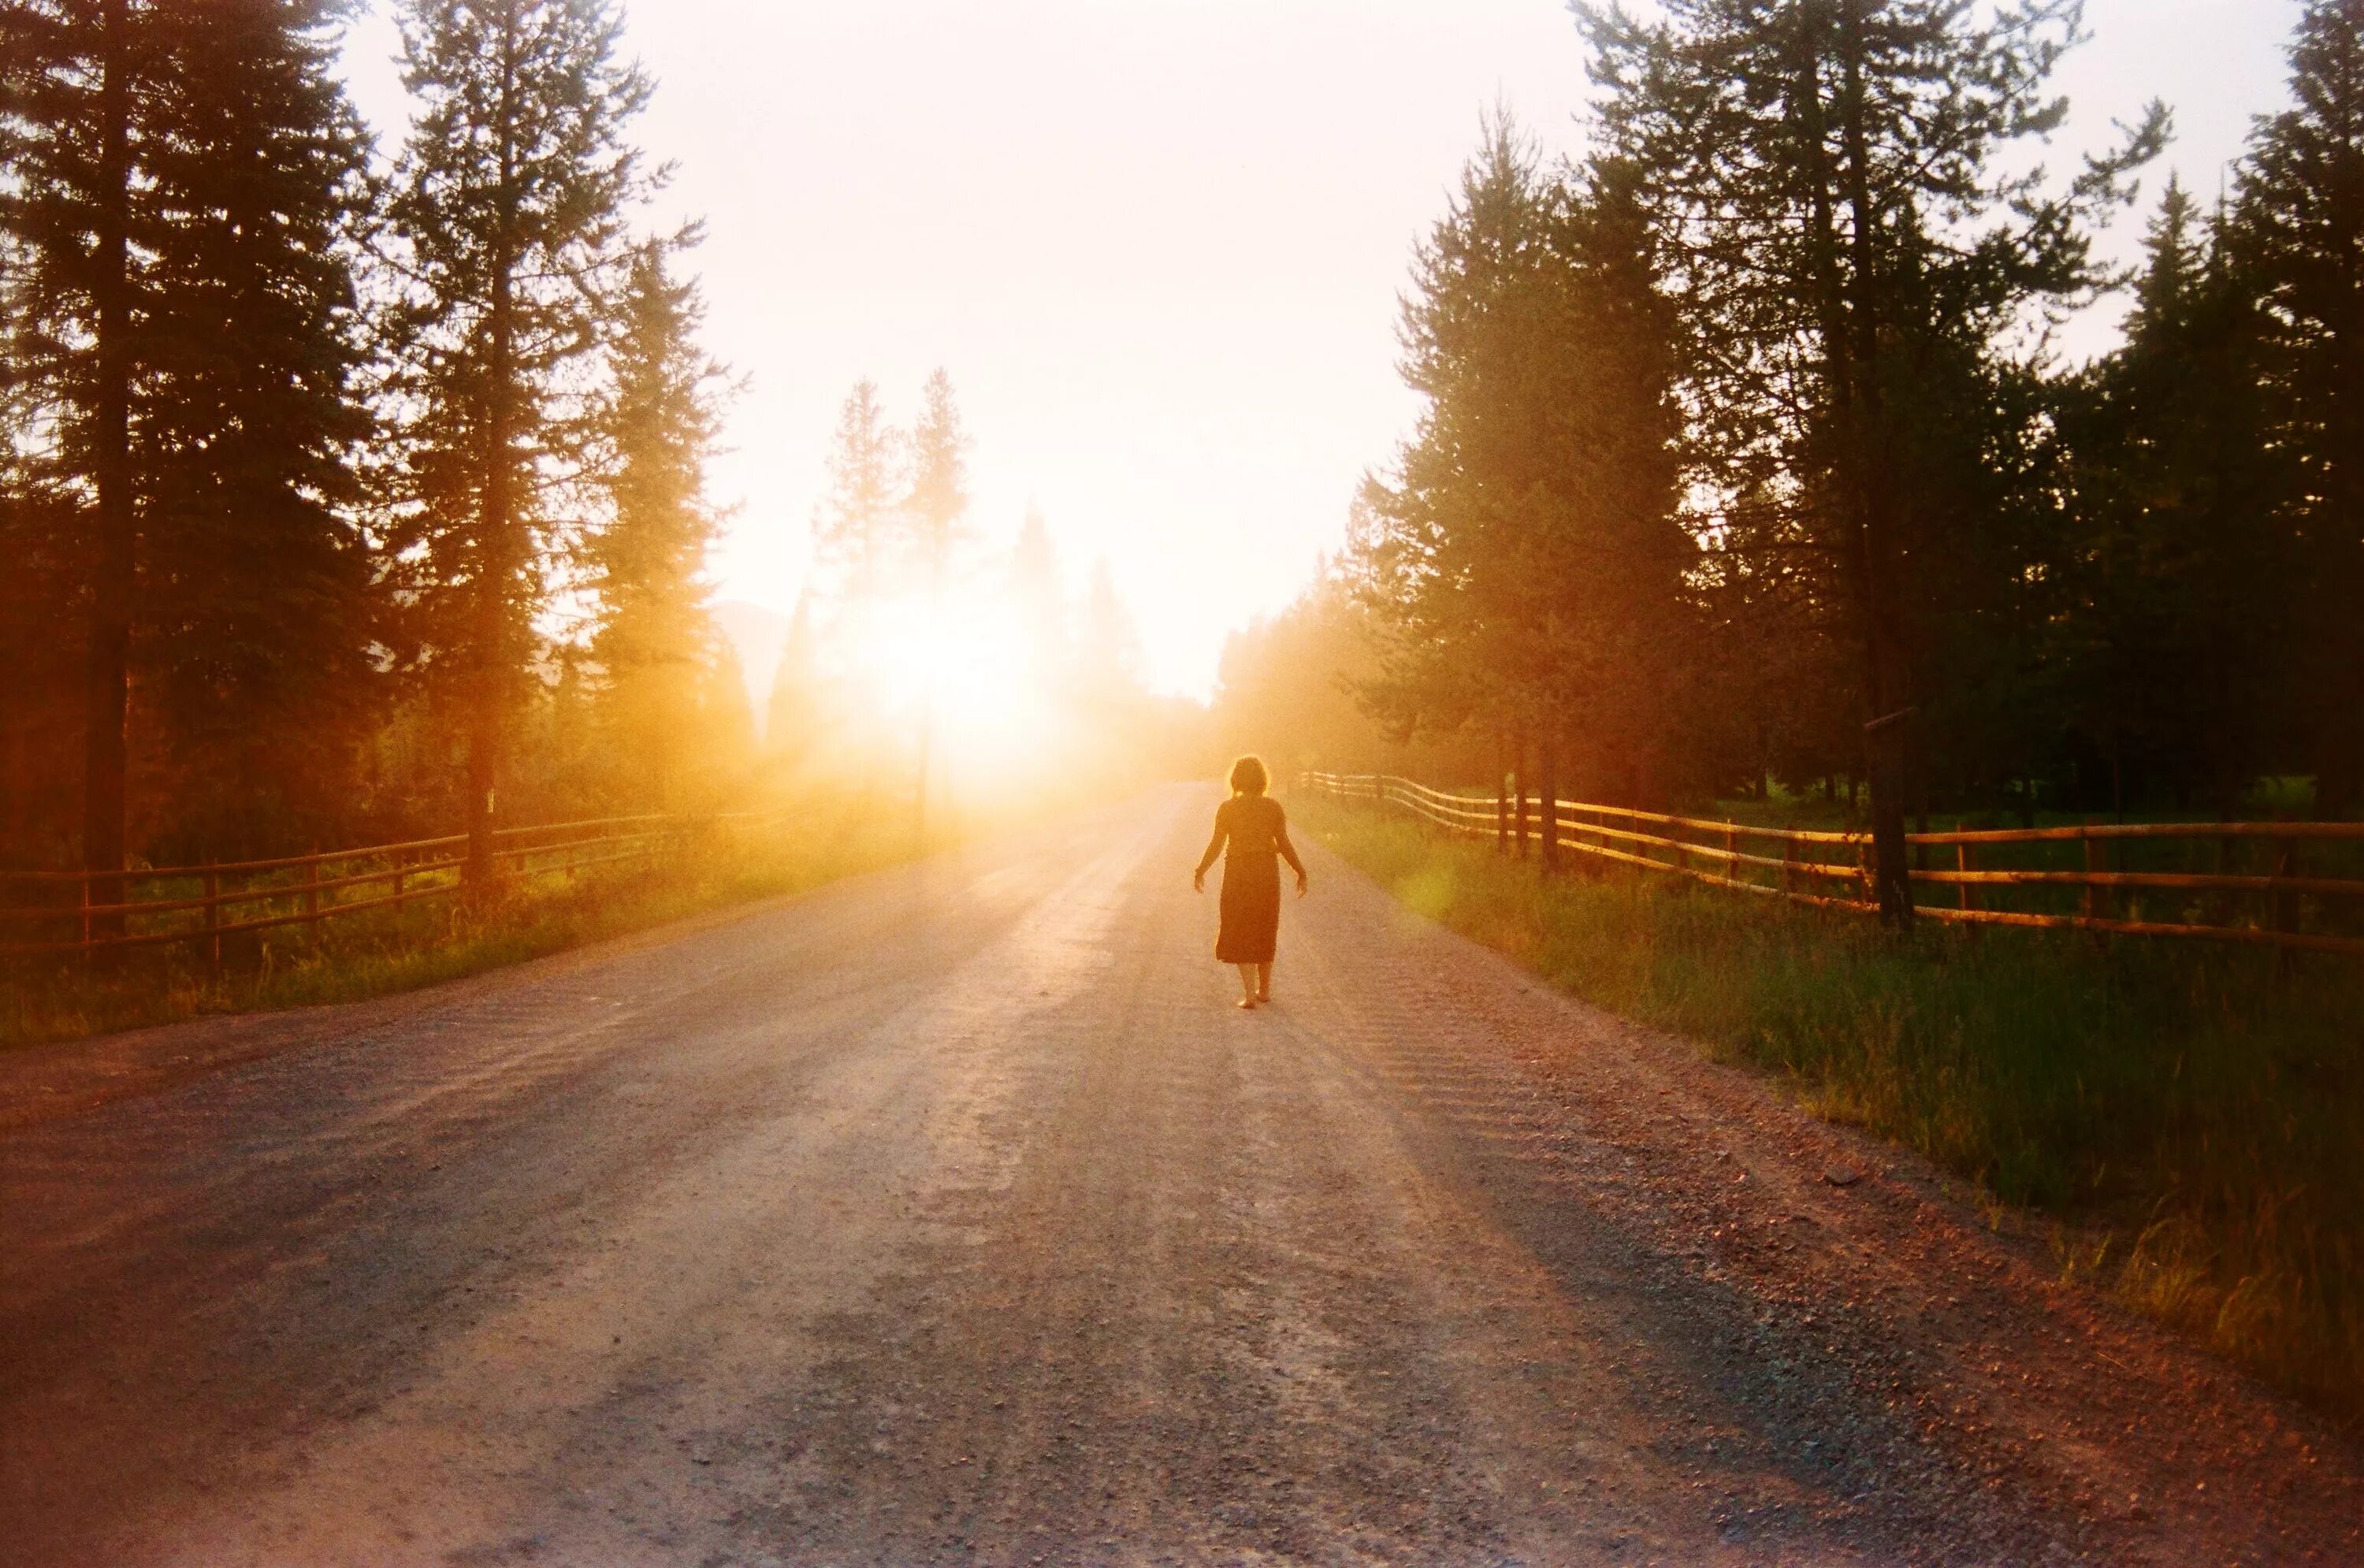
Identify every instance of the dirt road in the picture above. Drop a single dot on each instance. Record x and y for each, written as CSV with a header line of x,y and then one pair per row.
x,y
953,1215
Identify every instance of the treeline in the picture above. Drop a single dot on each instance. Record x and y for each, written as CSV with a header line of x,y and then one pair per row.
x,y
1745,459
341,496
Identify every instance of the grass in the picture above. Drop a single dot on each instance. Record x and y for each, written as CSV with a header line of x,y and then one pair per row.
x,y
2191,1118
382,951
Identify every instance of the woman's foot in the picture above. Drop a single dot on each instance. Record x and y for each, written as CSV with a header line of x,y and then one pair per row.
x,y
1265,1000
1247,1004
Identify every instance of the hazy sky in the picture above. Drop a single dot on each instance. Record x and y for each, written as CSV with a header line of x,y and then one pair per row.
x,y
1157,243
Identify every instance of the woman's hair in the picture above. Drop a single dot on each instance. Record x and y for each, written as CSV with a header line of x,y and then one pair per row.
x,y
1248,776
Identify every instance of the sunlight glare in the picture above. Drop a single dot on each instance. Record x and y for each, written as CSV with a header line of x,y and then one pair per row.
x,y
963,669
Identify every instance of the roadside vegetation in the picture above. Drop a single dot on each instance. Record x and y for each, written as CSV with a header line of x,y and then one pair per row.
x,y
2187,1119
381,952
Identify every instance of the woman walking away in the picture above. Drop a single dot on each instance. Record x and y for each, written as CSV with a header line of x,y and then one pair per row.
x,y
1251,823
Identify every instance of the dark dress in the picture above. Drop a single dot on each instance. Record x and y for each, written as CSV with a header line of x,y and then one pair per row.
x,y
1252,835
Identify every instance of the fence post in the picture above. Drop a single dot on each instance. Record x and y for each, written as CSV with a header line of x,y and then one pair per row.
x,y
213,918
2099,905
2284,918
1789,864
1547,756
1866,894
1965,861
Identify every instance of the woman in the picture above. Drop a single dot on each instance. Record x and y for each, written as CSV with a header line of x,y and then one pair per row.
x,y
1251,823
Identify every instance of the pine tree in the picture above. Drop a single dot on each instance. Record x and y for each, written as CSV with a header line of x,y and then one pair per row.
x,y
2179,643
258,585
181,227
1853,250
1040,601
75,81
937,506
510,209
1524,555
934,511
855,527
654,644
2301,235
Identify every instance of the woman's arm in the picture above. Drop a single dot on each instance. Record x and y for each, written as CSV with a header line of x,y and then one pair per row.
x,y
1214,848
1288,850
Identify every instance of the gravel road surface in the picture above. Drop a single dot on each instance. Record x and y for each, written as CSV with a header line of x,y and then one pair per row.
x,y
953,1215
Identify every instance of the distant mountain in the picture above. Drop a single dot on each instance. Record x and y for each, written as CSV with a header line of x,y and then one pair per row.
x,y
757,635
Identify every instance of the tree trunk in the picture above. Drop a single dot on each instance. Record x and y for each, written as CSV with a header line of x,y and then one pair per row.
x,y
1849,307
1502,798
1548,776
2339,768
495,545
107,699
1520,786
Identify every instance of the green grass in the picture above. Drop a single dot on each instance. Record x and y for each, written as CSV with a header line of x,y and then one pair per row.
x,y
380,951
2193,1118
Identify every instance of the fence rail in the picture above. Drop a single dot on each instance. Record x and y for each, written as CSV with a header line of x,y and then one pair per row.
x,y
204,904
2279,904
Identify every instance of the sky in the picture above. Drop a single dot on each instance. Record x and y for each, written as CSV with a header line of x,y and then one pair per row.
x,y
1156,244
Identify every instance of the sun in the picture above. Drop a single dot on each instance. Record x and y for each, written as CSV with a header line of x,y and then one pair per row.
x,y
961,672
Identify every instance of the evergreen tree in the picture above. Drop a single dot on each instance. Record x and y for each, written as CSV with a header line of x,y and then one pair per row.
x,y
511,207
76,81
180,229
1525,556
2179,644
1853,250
937,506
1444,546
2301,233
855,528
1040,601
654,644
934,512
258,585
41,612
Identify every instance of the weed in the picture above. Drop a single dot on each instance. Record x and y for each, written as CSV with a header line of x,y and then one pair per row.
x,y
2196,1114
423,943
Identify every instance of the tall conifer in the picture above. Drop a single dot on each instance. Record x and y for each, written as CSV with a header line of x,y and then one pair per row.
x,y
2178,632
76,77
655,643
511,207
1524,555
2300,218
180,230
934,513
258,584
856,525
1832,176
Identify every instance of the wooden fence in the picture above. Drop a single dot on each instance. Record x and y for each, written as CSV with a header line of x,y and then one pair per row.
x,y
53,912
2139,879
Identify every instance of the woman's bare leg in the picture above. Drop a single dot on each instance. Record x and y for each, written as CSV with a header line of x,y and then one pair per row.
x,y
1247,984
1263,982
